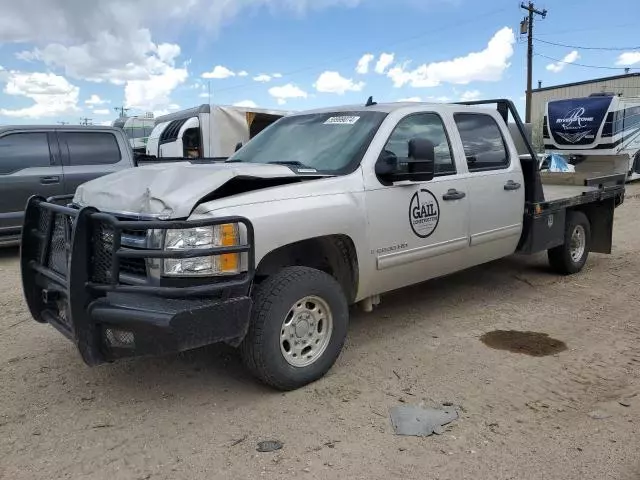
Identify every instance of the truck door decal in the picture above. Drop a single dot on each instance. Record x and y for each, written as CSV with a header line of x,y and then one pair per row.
x,y
424,213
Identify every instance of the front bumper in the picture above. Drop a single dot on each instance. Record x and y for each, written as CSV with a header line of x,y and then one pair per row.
x,y
71,276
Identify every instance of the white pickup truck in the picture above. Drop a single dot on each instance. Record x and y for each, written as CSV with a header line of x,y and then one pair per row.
x,y
322,210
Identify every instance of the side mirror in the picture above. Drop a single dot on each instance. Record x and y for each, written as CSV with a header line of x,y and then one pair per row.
x,y
422,155
238,146
419,166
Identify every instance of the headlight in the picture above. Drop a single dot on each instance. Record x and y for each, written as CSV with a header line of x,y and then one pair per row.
x,y
226,235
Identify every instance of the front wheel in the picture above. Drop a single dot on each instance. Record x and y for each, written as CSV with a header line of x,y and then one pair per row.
x,y
571,257
298,326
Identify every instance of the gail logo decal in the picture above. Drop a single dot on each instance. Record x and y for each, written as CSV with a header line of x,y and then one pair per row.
x,y
424,213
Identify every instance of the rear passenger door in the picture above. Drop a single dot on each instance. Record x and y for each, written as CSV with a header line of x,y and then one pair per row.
x,y
88,155
27,167
496,188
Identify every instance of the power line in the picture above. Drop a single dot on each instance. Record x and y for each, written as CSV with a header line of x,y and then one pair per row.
x,y
585,48
583,65
350,57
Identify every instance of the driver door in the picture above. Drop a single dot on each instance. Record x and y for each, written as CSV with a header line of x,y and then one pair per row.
x,y
418,230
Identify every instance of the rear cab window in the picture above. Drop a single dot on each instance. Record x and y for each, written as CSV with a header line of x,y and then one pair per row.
x,y
483,142
92,148
22,150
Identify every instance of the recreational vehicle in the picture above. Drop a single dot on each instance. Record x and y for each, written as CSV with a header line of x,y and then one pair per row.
x,y
599,133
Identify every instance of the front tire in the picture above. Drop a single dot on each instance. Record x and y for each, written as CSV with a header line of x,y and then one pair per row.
x,y
298,326
571,257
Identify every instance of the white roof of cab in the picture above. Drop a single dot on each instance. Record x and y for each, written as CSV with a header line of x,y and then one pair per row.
x,y
383,107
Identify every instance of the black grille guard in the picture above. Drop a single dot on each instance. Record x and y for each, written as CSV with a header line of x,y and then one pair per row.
x,y
63,264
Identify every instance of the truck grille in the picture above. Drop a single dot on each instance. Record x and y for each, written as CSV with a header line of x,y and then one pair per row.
x,y
102,257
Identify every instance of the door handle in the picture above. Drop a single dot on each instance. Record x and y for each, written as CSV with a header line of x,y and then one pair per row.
x,y
454,194
50,180
511,185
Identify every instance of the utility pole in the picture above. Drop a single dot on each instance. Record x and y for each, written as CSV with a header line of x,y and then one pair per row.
x,y
122,111
86,121
526,26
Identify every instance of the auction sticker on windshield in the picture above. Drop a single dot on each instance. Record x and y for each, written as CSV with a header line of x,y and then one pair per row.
x,y
344,120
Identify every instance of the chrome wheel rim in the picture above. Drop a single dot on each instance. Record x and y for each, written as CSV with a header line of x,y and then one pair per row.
x,y
578,243
306,331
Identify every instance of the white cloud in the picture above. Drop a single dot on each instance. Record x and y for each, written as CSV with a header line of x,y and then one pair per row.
x,y
95,100
102,111
77,21
155,92
333,82
164,111
440,99
470,95
147,70
243,73
286,92
486,65
363,64
384,62
568,58
219,72
246,104
410,99
52,95
262,78
277,75
204,95
628,58
106,123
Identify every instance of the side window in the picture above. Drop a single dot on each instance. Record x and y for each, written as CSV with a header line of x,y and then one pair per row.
x,y
483,143
23,150
428,126
92,148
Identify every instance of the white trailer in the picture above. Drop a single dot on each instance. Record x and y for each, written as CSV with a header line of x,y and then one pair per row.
x,y
598,134
207,131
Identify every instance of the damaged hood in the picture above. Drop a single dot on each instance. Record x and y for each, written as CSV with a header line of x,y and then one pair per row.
x,y
169,190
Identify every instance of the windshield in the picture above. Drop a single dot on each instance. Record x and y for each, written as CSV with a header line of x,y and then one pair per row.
x,y
327,142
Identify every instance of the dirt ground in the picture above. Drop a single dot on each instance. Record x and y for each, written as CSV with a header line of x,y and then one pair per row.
x,y
199,415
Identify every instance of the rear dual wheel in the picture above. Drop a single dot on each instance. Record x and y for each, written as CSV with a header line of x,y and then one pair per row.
x,y
298,326
571,256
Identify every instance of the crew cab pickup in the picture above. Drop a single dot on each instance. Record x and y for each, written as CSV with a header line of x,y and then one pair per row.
x,y
323,209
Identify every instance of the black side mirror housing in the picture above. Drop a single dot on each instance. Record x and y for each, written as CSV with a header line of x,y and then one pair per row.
x,y
422,155
420,164
238,146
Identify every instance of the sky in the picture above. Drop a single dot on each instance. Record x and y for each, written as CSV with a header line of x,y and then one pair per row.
x,y
63,60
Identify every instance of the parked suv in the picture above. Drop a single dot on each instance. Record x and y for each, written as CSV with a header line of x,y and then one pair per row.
x,y
50,161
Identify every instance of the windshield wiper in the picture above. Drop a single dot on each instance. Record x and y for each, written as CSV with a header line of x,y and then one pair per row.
x,y
292,163
235,160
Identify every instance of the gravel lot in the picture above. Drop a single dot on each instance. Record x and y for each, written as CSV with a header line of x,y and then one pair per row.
x,y
199,415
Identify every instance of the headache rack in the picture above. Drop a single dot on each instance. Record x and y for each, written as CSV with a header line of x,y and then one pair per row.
x,y
72,256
